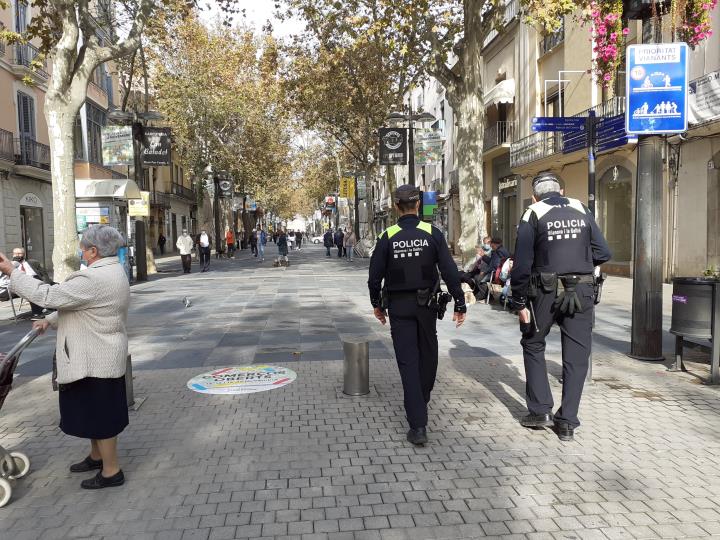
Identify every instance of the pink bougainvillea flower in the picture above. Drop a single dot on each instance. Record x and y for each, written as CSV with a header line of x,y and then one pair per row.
x,y
625,31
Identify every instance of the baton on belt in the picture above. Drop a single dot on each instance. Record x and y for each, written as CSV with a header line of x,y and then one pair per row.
x,y
532,315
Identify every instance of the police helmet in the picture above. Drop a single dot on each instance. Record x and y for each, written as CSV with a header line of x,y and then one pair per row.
x,y
406,193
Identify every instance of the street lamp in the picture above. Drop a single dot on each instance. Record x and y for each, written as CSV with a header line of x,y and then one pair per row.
x,y
137,120
411,118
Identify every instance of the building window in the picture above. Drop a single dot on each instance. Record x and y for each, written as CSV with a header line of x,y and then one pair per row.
x,y
78,142
26,116
615,211
95,123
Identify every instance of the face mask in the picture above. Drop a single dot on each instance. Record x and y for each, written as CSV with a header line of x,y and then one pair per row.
x,y
486,247
19,258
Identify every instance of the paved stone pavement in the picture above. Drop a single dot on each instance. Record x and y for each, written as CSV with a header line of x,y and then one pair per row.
x,y
306,462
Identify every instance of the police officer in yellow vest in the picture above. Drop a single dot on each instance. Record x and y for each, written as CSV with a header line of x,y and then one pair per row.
x,y
406,258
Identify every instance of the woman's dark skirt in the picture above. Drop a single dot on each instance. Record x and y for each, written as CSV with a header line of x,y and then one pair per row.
x,y
93,408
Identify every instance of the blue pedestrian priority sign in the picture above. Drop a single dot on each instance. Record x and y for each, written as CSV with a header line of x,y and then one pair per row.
x,y
656,89
558,123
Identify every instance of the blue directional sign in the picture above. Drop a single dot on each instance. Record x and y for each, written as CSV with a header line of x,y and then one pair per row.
x,y
558,123
657,88
610,133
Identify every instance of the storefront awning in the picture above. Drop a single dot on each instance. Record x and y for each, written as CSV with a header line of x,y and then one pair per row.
x,y
503,92
106,188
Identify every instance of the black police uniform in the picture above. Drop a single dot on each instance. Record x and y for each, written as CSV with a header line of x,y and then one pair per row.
x,y
557,235
407,257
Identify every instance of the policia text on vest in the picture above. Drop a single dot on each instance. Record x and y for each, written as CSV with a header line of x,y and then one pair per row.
x,y
404,280
558,247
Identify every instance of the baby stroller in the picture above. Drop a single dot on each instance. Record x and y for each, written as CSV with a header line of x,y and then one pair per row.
x,y
13,465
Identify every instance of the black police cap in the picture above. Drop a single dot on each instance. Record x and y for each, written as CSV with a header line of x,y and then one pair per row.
x,y
406,193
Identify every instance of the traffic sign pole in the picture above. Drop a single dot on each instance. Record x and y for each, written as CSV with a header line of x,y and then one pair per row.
x,y
591,123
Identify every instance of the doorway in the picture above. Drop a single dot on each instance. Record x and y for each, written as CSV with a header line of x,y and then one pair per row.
x,y
615,212
174,230
33,233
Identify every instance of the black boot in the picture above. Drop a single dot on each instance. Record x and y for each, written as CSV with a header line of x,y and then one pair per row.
x,y
537,420
417,436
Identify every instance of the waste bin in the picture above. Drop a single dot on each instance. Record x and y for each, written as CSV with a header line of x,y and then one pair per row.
x,y
696,314
356,369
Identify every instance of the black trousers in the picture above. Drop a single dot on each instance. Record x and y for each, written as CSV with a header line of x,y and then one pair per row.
x,y
205,257
576,340
414,336
186,263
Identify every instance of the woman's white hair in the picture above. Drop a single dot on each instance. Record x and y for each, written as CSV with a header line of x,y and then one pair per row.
x,y
105,238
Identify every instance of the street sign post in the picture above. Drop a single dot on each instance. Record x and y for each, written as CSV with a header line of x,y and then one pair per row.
x,y
657,89
558,123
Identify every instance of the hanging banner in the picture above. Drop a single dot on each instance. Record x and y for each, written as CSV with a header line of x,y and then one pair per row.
x,y
157,152
361,187
704,98
429,146
393,146
347,188
117,146
139,207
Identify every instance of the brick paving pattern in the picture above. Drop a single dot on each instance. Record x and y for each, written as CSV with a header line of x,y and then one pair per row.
x,y
306,462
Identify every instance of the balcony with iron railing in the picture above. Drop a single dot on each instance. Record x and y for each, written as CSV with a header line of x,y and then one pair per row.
x,y
511,9
544,144
184,192
25,56
499,133
160,199
32,153
7,149
550,41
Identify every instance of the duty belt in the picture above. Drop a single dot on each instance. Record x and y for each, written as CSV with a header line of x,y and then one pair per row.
x,y
581,278
403,294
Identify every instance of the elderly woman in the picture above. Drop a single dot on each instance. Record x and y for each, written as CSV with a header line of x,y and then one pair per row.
x,y
91,350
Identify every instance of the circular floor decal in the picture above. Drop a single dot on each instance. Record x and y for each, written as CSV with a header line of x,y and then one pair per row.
x,y
242,380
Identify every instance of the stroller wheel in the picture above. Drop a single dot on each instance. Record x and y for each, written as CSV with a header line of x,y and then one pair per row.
x,y
5,492
22,465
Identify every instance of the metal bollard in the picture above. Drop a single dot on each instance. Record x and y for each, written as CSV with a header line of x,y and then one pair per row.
x,y
130,394
356,371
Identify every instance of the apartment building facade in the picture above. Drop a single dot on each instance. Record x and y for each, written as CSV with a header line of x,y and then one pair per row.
x,y
552,73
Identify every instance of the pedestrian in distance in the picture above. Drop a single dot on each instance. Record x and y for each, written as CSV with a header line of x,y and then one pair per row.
x,y
298,239
204,243
328,242
261,242
404,280
185,246
230,241
350,242
253,243
282,245
91,350
558,247
339,241
161,243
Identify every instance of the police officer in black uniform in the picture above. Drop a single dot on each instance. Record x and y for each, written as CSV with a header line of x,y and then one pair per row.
x,y
406,258
558,247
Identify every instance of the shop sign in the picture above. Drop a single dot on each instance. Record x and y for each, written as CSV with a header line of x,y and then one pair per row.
x,y
157,152
429,147
139,207
30,199
507,183
393,146
361,187
117,146
242,380
704,98
85,217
